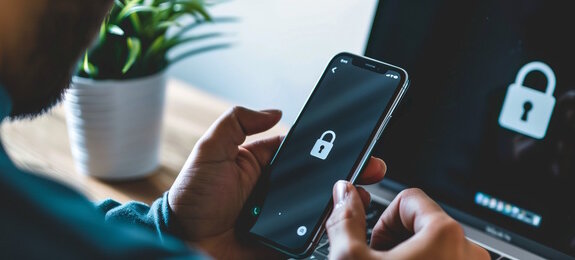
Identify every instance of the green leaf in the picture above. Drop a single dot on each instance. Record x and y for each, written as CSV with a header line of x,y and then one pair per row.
x,y
134,1
88,67
119,3
191,26
215,2
198,51
134,49
134,38
168,24
136,22
196,6
133,9
156,46
114,29
102,35
165,10
177,41
161,46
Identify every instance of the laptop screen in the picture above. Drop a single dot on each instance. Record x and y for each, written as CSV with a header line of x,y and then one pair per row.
x,y
488,124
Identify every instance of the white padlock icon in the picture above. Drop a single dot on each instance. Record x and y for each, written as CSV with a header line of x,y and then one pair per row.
x,y
322,147
526,110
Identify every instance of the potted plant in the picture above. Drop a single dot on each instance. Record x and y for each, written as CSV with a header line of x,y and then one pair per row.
x,y
115,103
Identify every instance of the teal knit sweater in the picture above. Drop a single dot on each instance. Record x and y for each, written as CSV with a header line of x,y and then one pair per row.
x,y
43,219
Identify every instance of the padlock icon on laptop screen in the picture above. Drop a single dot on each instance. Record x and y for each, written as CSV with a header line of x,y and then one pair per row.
x,y
527,110
322,147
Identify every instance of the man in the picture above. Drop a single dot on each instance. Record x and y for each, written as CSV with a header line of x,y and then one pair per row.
x,y
40,42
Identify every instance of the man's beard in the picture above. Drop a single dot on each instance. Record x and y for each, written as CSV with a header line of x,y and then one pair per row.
x,y
63,33
47,84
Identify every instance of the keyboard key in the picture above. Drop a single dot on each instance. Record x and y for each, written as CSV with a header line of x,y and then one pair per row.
x,y
371,216
324,249
324,240
316,256
374,210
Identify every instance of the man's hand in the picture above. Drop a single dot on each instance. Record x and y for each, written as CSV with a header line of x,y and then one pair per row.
x,y
412,227
220,174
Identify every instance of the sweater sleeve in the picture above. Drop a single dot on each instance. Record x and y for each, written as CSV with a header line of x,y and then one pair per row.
x,y
157,217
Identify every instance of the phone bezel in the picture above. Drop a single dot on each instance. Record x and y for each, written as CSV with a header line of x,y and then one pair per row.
x,y
364,63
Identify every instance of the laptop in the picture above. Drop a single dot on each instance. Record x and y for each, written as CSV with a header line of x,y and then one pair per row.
x,y
487,128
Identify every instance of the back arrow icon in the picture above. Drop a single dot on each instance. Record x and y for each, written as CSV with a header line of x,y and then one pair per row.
x,y
333,70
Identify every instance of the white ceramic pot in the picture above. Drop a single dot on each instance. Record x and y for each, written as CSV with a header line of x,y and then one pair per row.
x,y
115,125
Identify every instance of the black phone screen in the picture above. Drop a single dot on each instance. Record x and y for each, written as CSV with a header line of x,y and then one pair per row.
x,y
335,127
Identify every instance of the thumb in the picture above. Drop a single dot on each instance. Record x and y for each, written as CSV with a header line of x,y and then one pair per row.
x,y
221,141
346,225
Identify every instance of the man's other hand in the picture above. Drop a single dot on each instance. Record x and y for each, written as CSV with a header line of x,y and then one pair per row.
x,y
412,227
220,174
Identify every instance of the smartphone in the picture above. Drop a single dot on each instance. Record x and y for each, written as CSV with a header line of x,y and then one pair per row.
x,y
330,140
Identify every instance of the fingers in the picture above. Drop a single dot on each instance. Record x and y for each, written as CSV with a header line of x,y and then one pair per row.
x,y
239,122
373,172
264,150
474,251
221,141
403,217
346,224
414,226
365,197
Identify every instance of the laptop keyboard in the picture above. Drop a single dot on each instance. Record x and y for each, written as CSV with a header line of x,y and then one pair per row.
x,y
372,216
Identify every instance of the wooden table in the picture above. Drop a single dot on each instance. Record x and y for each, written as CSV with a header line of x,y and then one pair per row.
x,y
41,145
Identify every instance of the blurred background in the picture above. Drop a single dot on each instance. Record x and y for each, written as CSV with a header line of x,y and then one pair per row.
x,y
279,50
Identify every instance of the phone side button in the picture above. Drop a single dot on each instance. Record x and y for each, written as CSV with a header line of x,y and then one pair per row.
x,y
381,130
378,135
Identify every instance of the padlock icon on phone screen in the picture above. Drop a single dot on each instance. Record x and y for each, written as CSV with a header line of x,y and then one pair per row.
x,y
322,147
527,110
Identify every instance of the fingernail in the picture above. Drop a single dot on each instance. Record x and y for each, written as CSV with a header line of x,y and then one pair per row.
x,y
341,193
379,163
382,165
271,111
